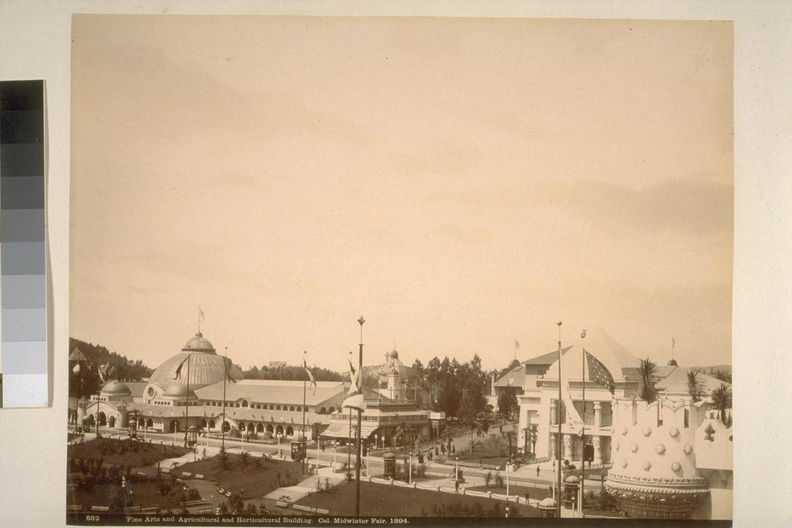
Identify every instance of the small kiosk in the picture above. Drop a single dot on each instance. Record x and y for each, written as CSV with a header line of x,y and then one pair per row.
x,y
390,465
548,508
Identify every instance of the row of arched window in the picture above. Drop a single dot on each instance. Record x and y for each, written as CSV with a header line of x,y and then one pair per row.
x,y
268,406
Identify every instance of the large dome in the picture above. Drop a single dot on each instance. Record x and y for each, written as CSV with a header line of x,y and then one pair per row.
x,y
205,367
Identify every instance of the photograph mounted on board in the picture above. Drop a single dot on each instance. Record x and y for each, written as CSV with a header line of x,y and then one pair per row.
x,y
534,218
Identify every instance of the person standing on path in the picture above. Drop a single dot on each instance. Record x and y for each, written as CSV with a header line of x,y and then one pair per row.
x,y
537,471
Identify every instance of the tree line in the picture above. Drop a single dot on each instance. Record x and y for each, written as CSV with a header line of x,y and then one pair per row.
x,y
292,373
84,378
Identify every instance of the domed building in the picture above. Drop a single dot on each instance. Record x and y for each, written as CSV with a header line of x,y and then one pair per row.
x,y
393,376
108,408
199,388
393,416
195,367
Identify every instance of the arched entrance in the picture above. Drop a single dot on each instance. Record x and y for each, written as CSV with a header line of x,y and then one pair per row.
x,y
211,424
226,426
279,430
112,421
270,429
251,428
91,420
149,423
203,424
174,426
102,418
289,431
260,428
141,422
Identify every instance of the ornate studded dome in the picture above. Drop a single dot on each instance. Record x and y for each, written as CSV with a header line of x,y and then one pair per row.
x,y
204,367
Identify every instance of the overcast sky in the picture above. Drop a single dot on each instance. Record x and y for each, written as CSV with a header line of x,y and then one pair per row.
x,y
461,183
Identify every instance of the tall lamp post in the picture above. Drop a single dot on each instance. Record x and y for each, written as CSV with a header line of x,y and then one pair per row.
x,y
583,432
359,421
558,414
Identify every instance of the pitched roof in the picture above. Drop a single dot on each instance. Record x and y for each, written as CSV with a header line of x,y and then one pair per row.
x,y
544,359
602,346
513,378
273,391
673,379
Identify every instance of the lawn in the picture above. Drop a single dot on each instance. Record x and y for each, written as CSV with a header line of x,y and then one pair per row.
x,y
538,492
245,475
388,500
491,448
124,453
163,492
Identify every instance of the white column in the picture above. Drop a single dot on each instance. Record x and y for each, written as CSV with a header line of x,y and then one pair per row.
x,y
597,414
597,449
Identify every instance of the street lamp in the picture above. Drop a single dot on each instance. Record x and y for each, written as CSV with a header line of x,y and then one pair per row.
x,y
375,440
508,470
409,477
456,469
335,450
278,436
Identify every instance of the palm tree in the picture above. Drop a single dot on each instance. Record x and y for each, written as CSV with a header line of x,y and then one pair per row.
x,y
647,380
722,400
695,384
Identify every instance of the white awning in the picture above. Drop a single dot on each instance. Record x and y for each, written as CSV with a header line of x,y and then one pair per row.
x,y
339,430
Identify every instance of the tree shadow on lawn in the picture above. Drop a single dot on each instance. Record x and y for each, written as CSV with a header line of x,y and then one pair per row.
x,y
244,475
389,500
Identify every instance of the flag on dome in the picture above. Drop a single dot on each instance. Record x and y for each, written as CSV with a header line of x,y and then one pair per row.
x,y
600,373
354,399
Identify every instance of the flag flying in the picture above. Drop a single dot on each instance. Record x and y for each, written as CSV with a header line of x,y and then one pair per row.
x,y
516,344
177,373
600,373
106,372
310,376
200,313
673,342
354,399
227,363
573,419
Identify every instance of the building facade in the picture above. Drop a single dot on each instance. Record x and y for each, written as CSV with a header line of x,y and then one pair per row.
x,y
197,387
667,459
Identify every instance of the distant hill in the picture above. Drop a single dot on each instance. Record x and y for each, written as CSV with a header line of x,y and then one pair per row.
x,y
86,380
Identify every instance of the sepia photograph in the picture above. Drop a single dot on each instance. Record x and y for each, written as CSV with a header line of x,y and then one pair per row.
x,y
400,270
